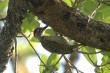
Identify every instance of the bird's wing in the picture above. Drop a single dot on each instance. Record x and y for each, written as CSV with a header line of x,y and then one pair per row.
x,y
57,39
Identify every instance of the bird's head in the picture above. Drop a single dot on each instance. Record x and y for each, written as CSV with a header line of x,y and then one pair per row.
x,y
38,31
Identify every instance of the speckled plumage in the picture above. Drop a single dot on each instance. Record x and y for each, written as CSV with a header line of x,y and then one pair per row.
x,y
54,44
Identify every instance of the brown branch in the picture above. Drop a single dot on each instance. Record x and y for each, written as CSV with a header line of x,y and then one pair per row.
x,y
72,23
15,14
33,49
72,58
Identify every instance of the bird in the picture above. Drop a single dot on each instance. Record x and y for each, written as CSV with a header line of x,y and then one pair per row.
x,y
54,44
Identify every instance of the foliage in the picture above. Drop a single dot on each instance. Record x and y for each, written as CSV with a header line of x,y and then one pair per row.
x,y
51,64
87,7
3,8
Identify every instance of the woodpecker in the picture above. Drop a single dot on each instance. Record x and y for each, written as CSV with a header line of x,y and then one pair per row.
x,y
54,44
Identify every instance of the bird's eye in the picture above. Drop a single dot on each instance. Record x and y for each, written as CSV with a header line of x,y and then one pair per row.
x,y
39,30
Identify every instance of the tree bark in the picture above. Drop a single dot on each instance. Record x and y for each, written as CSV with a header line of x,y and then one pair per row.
x,y
15,14
72,23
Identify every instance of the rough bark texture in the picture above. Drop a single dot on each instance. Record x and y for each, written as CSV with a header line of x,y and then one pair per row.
x,y
15,14
72,23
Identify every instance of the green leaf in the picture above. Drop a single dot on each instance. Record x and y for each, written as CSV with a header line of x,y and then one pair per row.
x,y
93,57
104,69
98,70
53,58
3,5
106,58
105,11
106,2
106,63
69,2
88,6
99,16
30,23
50,64
102,14
44,59
3,8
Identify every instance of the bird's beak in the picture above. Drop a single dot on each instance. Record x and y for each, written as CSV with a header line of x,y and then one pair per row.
x,y
44,28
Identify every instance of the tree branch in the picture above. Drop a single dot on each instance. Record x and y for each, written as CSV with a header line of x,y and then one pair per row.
x,y
15,14
72,23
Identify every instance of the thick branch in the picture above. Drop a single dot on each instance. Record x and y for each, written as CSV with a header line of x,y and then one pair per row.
x,y
72,23
15,14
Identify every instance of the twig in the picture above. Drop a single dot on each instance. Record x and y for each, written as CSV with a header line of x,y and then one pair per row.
x,y
68,63
75,4
89,52
77,51
103,64
102,70
15,55
33,48
73,66
2,19
94,12
96,64
23,36
55,64
59,59
91,61
20,36
104,2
